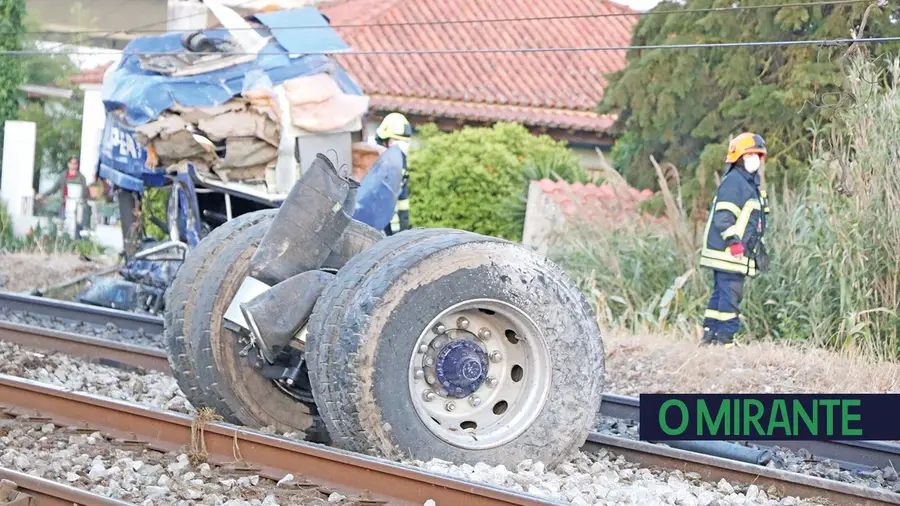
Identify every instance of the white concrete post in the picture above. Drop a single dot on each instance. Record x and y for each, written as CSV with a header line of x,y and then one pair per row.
x,y
93,119
16,189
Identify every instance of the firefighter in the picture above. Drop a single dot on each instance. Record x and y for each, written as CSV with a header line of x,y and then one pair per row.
x,y
734,247
395,130
381,198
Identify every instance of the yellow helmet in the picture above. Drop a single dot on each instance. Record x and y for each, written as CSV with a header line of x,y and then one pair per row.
x,y
743,144
394,126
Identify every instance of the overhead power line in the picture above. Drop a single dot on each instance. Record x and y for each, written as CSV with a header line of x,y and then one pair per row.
x,y
818,42
570,17
167,21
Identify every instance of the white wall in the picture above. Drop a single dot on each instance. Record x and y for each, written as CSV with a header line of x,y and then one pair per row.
x,y
92,123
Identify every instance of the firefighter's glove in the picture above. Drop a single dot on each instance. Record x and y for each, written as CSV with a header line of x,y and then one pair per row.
x,y
736,250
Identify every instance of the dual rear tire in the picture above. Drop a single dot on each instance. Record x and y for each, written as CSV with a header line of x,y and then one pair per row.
x,y
432,343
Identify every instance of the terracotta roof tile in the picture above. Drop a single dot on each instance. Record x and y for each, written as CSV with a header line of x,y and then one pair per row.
x,y
543,116
90,76
597,203
550,89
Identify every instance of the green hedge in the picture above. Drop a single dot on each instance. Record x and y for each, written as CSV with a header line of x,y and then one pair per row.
x,y
473,179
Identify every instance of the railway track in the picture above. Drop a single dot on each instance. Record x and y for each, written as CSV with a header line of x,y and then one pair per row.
x,y
373,481
121,355
21,489
75,311
859,455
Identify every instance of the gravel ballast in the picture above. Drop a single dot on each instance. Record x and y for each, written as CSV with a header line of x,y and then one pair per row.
x,y
605,479
108,332
147,388
139,475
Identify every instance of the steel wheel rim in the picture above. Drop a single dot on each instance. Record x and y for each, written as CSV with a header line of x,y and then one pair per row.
x,y
514,382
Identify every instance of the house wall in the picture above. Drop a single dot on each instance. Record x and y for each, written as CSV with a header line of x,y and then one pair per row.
x,y
99,14
543,220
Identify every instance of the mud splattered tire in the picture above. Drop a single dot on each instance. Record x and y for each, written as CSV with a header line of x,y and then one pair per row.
x,y
178,315
430,317
227,380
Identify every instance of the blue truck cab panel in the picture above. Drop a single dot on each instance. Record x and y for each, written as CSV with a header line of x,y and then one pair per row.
x,y
123,159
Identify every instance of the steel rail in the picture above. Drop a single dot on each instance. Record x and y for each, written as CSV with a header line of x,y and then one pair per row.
x,y
852,455
715,468
82,312
345,472
34,491
98,350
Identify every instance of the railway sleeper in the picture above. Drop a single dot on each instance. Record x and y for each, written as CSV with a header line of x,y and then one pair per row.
x,y
431,343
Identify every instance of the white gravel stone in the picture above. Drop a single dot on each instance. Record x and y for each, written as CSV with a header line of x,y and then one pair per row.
x,y
604,479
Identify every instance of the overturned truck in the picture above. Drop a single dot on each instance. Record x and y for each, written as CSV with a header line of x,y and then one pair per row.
x,y
431,343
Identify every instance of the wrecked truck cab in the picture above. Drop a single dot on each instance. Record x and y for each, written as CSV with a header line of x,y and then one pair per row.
x,y
226,134
230,133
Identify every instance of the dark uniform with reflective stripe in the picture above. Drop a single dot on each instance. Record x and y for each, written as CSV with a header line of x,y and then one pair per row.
x,y
738,214
400,220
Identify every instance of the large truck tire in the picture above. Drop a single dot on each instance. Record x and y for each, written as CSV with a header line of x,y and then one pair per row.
x,y
227,380
440,343
177,318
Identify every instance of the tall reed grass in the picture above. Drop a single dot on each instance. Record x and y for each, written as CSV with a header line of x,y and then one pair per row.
x,y
834,242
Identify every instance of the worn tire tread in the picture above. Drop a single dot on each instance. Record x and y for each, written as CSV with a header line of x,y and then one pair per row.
x,y
343,314
178,314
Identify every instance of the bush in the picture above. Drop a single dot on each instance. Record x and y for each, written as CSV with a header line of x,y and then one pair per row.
x,y
472,178
833,245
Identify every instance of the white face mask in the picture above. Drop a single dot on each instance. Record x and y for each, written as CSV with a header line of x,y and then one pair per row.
x,y
751,162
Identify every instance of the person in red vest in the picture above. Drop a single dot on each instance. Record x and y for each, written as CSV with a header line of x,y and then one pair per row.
x,y
72,179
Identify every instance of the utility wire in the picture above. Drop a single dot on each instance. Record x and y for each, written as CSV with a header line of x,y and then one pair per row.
x,y
169,20
819,42
492,20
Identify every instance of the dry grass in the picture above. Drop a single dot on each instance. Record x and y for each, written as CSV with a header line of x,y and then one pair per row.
x,y
197,452
666,363
24,271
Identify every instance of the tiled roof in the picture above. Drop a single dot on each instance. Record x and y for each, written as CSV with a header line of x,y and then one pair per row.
x,y
90,76
554,89
607,202
550,89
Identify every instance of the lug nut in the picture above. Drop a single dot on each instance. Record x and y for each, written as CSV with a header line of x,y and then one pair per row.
x,y
484,334
431,379
420,374
496,356
423,348
462,322
475,401
439,328
428,395
437,343
491,381
449,406
429,361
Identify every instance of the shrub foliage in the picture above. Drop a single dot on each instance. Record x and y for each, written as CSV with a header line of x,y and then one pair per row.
x,y
473,178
